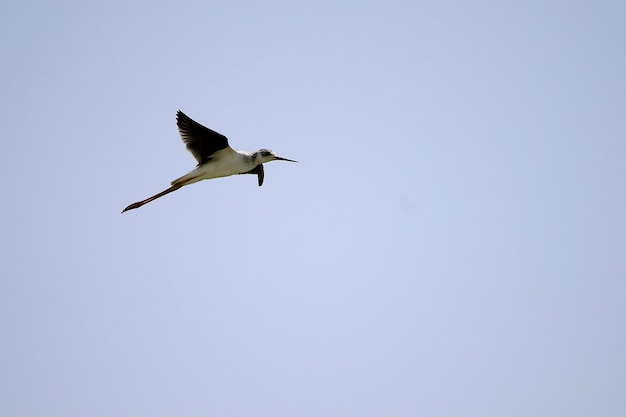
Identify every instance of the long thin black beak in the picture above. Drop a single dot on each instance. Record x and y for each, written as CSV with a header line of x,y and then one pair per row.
x,y
278,158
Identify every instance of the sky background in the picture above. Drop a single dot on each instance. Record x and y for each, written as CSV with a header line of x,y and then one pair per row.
x,y
451,243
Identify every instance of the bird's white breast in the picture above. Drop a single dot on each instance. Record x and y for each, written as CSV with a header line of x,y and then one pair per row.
x,y
223,163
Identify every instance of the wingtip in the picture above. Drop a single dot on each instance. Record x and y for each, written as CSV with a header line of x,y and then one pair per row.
x,y
180,115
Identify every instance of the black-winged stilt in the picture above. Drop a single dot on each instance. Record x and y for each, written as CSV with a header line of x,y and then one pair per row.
x,y
215,158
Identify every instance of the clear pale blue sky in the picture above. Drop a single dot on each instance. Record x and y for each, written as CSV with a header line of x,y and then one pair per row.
x,y
452,242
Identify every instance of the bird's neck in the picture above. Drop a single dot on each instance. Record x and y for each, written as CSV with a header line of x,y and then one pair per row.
x,y
250,158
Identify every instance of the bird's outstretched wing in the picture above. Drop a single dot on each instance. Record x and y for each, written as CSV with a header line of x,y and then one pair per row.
x,y
201,141
258,170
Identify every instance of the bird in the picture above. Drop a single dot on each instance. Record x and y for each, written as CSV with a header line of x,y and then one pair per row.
x,y
215,158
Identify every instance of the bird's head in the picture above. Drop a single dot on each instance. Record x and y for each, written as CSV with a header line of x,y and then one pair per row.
x,y
265,155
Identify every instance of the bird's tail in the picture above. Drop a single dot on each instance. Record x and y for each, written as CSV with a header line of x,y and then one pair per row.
x,y
187,179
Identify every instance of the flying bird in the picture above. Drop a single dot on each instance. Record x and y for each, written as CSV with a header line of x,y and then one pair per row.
x,y
215,158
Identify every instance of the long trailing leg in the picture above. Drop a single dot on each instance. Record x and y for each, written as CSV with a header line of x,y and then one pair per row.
x,y
154,197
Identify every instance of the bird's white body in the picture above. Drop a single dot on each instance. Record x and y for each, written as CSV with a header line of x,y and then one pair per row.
x,y
224,163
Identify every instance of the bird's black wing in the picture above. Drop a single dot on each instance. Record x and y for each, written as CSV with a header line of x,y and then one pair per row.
x,y
201,141
259,171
